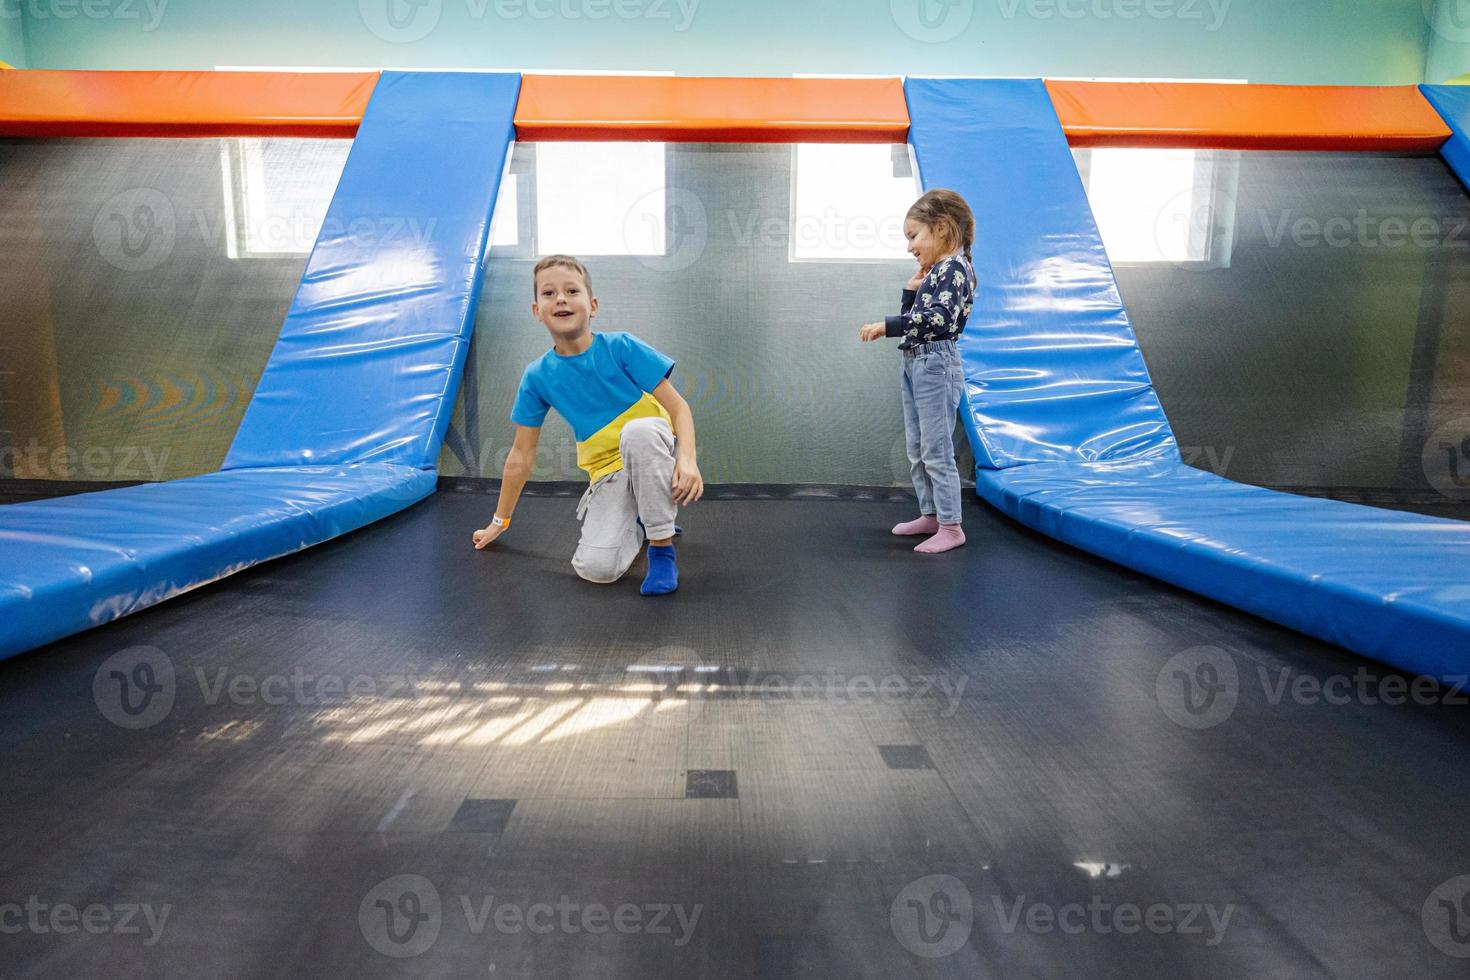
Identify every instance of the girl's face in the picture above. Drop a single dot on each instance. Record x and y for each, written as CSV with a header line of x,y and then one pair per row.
x,y
924,245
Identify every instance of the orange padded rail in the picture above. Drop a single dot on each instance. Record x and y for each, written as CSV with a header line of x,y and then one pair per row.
x,y
732,110
1247,117
775,110
182,103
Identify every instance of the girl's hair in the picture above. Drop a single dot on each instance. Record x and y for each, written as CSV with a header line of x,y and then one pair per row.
x,y
947,214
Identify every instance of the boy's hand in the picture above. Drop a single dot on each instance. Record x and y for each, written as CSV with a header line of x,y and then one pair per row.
x,y
486,535
688,484
918,279
873,331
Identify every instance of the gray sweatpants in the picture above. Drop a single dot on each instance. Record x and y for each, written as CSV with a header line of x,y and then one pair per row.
x,y
611,507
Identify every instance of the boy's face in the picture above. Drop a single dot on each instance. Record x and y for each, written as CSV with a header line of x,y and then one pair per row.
x,y
923,245
563,304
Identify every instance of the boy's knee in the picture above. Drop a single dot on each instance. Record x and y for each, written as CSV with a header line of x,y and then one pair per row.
x,y
644,434
599,566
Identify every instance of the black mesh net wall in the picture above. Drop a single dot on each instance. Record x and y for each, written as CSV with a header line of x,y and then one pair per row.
x,y
1305,316
144,286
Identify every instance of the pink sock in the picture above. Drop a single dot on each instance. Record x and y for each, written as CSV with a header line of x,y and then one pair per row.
x,y
924,524
948,538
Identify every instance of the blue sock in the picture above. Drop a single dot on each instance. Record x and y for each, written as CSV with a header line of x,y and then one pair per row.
x,y
663,573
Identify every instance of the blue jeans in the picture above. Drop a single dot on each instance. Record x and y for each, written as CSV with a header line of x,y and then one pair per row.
x,y
932,384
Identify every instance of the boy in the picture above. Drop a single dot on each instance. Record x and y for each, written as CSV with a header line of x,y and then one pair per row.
x,y
635,433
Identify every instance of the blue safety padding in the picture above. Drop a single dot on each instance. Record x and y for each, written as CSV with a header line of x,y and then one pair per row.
x,y
1386,584
1071,440
369,359
71,563
1452,102
345,425
1052,369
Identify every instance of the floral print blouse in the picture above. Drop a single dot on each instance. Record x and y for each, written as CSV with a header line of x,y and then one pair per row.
x,y
938,309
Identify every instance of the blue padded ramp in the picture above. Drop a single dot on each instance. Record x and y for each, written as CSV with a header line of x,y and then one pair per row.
x,y
1052,368
1071,441
347,419
369,359
1386,584
1452,102
75,562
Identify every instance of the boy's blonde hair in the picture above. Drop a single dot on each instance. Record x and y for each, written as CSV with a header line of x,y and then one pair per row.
x,y
948,214
561,262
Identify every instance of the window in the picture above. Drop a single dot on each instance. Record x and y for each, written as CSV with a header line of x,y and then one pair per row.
x,y
1175,206
603,199
848,202
276,193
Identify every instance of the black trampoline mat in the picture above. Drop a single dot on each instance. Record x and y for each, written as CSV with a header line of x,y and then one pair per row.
x,y
794,745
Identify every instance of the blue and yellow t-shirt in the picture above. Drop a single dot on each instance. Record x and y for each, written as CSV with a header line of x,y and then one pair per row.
x,y
598,392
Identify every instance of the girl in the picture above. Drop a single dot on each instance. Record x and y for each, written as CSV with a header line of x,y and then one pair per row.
x,y
936,303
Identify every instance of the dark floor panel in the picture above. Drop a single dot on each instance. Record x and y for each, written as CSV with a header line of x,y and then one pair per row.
x,y
906,757
711,784
482,816
394,744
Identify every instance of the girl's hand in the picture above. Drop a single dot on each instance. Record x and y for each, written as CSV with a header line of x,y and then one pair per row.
x,y
918,279
872,331
688,483
486,535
